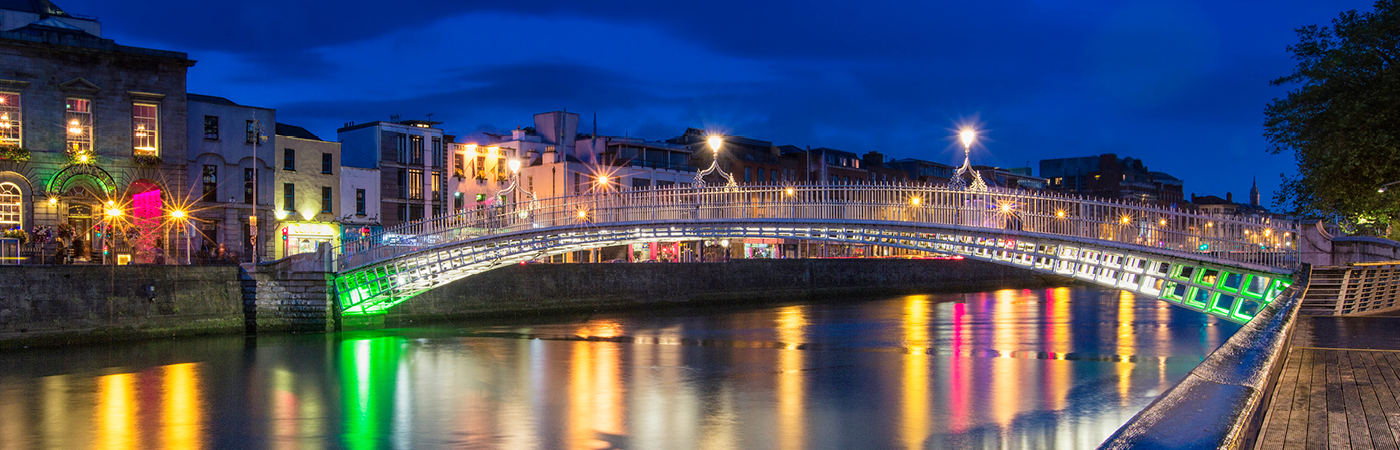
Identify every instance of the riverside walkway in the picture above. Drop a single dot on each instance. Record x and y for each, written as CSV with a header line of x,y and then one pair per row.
x,y
1339,388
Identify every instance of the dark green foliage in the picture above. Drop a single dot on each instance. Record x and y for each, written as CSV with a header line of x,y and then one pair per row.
x,y
1343,120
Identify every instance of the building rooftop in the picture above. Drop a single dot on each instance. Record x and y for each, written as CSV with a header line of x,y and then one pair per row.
x,y
295,131
40,7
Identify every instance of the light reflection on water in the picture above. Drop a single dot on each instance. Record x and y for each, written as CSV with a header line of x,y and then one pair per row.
x,y
1056,368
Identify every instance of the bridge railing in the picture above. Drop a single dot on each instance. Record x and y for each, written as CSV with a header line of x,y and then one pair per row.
x,y
1260,241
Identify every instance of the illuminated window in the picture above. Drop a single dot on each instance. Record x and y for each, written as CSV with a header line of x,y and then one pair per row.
x,y
9,119
9,205
437,181
77,118
501,169
360,202
211,128
480,167
145,136
415,184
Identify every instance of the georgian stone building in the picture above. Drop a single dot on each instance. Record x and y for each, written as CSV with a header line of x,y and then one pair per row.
x,y
84,122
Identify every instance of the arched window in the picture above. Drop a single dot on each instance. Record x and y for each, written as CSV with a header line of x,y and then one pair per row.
x,y
10,206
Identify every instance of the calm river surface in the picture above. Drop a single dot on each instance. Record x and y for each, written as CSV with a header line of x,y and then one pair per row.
x,y
1049,368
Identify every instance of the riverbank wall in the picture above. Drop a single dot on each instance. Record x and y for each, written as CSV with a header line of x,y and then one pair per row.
x,y
57,305
538,289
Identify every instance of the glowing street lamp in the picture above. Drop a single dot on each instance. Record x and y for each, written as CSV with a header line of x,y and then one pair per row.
x,y
715,142
967,135
514,165
181,219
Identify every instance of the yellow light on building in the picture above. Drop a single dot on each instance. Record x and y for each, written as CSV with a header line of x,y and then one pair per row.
x,y
178,214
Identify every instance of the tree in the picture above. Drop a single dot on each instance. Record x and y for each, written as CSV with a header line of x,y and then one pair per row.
x,y
1343,120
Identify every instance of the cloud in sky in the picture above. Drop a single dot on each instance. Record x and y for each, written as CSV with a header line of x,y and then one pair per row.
x,y
1180,84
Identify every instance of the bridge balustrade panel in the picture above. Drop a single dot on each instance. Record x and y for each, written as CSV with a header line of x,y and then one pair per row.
x,y
1219,265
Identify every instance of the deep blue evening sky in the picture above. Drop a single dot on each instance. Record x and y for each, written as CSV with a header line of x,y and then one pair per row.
x,y
1180,84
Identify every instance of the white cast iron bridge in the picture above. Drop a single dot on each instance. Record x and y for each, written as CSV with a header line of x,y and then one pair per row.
x,y
1229,267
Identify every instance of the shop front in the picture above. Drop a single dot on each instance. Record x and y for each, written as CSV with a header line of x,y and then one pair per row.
x,y
303,237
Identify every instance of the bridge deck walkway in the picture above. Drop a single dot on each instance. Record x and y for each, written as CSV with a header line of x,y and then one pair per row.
x,y
1339,388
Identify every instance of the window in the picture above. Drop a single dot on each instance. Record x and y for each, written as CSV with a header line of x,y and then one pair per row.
x,y
437,152
145,139
360,202
289,197
481,167
760,175
251,134
210,178
402,211
248,186
415,212
9,119
326,163
415,149
437,181
501,169
402,180
325,199
748,175
415,184
774,174
457,165
77,116
402,147
576,183
289,159
10,207
211,128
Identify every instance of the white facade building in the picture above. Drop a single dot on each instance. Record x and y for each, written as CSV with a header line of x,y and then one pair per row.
x,y
221,143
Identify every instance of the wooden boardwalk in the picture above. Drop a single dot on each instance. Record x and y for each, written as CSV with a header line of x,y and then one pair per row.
x,y
1339,388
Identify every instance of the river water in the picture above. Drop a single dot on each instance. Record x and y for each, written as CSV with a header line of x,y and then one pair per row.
x,y
1048,368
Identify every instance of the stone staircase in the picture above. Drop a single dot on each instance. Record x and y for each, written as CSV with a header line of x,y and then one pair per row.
x,y
1324,288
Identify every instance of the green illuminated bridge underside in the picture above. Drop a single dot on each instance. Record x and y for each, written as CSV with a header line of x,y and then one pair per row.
x,y
1227,267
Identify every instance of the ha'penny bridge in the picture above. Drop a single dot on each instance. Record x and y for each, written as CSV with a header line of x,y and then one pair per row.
x,y
1228,267
1258,272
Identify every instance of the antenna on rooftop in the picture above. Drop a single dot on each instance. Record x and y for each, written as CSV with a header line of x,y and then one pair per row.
x,y
394,117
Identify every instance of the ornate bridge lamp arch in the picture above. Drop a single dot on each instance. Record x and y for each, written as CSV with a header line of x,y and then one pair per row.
x,y
715,142
524,213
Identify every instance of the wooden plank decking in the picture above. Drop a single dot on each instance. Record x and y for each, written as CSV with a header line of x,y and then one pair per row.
x,y
1339,388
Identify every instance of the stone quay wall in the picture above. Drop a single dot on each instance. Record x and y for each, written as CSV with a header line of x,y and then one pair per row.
x,y
51,305
532,289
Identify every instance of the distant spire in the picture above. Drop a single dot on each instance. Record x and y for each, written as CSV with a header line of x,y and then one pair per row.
x,y
1254,192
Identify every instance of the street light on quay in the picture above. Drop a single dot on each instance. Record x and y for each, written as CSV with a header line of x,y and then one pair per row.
x,y
1385,187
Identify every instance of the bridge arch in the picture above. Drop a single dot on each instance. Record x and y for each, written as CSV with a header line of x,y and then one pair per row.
x,y
1225,267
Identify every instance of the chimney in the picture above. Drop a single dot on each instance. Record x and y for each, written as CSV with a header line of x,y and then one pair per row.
x,y
1193,197
531,155
1229,197
550,156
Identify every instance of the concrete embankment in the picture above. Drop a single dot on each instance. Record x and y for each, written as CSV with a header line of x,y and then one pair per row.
x,y
534,289
55,305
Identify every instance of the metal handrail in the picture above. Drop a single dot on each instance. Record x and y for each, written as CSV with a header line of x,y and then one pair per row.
x,y
1254,240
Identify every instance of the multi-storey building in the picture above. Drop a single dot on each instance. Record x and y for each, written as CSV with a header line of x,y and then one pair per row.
x,y
925,171
748,160
882,171
93,133
306,186
1107,176
359,202
222,141
411,156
